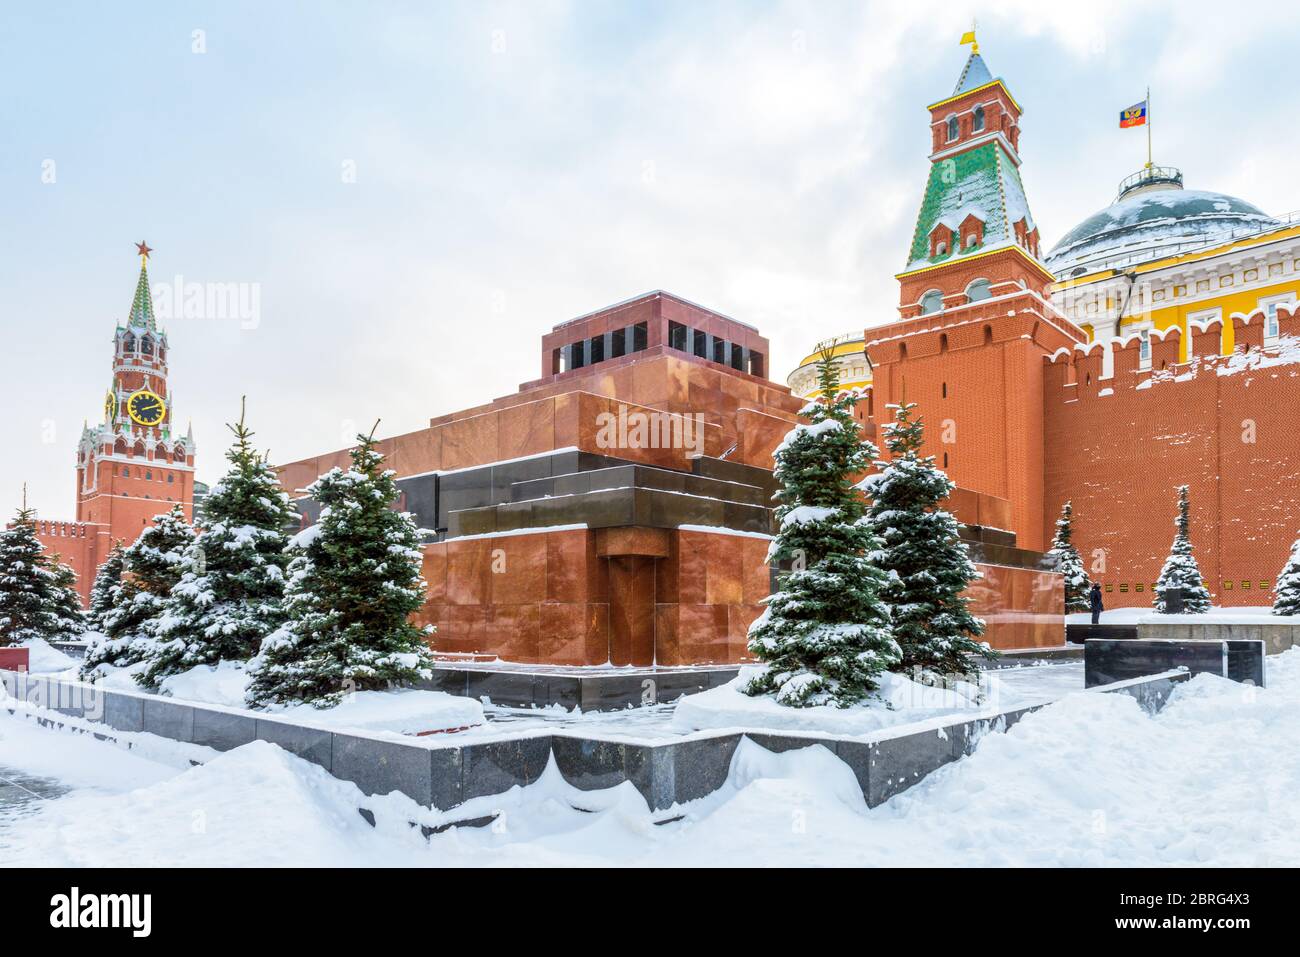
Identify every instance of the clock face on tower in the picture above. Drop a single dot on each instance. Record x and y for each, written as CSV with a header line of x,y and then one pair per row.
x,y
110,406
146,408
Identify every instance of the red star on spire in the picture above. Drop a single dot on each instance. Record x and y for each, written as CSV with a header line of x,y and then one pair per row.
x,y
143,249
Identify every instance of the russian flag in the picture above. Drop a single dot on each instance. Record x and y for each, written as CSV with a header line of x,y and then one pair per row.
x,y
1135,115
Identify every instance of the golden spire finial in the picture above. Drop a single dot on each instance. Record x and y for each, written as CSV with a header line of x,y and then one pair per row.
x,y
969,37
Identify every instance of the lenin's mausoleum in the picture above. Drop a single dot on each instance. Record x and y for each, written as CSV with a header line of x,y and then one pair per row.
x,y
618,507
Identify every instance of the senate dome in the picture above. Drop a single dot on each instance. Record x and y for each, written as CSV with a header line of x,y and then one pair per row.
x,y
1153,216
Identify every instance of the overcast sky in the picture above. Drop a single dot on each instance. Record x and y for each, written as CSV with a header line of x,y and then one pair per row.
x,y
416,192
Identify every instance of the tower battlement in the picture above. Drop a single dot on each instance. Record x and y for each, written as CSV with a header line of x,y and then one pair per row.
x,y
1153,359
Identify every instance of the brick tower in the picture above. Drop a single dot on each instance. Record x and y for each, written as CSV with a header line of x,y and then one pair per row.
x,y
977,318
134,465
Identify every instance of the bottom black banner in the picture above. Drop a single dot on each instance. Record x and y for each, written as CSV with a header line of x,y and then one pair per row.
x,y
259,907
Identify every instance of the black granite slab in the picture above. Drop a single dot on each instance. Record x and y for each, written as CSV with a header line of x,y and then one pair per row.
x,y
1109,660
1078,634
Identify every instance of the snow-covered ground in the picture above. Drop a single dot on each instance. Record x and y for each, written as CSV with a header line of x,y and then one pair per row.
x,y
43,658
1006,688
1253,614
1088,780
899,700
413,712
399,712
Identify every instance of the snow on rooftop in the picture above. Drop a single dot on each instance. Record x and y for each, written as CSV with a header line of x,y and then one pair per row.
x,y
1149,221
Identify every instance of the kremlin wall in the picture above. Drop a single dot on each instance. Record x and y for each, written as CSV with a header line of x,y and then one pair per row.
x,y
1224,425
618,508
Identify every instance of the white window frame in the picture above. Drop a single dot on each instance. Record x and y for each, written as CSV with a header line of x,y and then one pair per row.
x,y
1269,305
924,295
949,125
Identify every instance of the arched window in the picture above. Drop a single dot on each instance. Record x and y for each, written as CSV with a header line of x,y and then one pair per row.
x,y
978,290
953,128
931,302
128,344
126,471
977,119
146,345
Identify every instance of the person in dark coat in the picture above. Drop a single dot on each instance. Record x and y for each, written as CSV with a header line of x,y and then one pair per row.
x,y
1094,602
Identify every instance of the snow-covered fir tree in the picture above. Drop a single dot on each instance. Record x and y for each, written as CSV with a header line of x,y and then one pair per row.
x,y
231,588
69,616
108,582
353,587
928,565
1066,560
1181,570
1286,593
35,601
152,568
825,634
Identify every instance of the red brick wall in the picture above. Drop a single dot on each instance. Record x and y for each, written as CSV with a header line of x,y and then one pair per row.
x,y
1119,457
975,374
79,545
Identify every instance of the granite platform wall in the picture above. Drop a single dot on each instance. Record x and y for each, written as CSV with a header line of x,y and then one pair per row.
x,y
443,776
542,688
1277,638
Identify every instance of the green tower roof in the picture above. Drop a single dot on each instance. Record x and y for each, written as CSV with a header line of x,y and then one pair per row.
x,y
142,304
983,181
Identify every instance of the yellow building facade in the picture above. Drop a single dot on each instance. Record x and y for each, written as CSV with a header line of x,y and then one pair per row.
x,y
850,358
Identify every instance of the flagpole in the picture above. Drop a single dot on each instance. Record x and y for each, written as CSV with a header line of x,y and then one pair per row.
x,y
1149,163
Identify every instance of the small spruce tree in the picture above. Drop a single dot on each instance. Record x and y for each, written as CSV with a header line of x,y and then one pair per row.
x,y
928,565
1067,561
825,634
152,568
353,586
107,584
38,597
231,587
1286,593
69,617
1181,570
